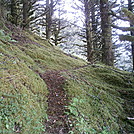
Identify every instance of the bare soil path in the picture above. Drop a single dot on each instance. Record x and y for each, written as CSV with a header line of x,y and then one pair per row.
x,y
57,100
58,122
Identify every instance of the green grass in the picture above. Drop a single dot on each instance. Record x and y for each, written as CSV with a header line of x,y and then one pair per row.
x,y
95,103
23,96
23,93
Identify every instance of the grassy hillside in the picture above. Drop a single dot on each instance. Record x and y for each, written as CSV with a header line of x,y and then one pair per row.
x,y
95,102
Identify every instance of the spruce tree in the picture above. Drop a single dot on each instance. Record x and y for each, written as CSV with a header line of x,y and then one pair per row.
x,y
14,15
130,8
107,51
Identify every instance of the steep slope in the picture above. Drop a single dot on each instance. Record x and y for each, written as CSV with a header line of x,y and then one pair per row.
x,y
42,90
97,105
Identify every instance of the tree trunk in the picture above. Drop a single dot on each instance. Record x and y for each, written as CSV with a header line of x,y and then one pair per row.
x,y
49,14
93,19
13,12
107,52
130,8
88,31
1,10
95,34
25,14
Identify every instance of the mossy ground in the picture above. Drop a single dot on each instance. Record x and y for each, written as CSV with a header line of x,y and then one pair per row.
x,y
96,100
95,105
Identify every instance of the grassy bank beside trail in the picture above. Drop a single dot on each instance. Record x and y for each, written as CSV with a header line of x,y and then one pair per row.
x,y
96,103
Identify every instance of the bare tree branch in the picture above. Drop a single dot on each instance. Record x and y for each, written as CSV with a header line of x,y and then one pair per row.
x,y
123,28
126,38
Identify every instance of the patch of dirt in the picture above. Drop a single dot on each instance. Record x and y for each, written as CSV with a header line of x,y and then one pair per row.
x,y
57,100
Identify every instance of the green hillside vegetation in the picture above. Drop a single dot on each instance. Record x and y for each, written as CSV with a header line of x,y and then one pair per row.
x,y
95,91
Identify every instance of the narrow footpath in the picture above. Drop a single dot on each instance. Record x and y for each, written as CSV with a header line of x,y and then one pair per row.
x,y
57,100
58,122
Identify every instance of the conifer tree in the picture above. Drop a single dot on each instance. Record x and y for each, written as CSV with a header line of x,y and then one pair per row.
x,y
49,14
107,52
1,9
90,32
14,15
50,8
25,13
130,15
87,5
28,9
130,8
58,25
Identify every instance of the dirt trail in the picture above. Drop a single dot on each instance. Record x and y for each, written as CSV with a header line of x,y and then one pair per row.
x,y
57,100
58,122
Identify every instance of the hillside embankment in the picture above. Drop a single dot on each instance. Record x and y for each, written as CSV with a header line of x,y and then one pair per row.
x,y
43,90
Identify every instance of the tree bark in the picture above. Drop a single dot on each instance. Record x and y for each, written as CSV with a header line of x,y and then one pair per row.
x,y
13,12
130,8
49,14
107,52
25,13
1,11
88,31
93,28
